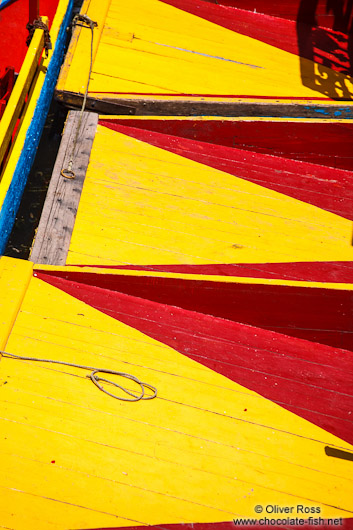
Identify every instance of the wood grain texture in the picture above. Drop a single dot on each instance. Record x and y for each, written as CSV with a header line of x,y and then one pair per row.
x,y
15,276
24,147
119,104
302,36
288,9
239,352
59,213
316,312
92,462
315,271
197,50
327,188
327,143
163,208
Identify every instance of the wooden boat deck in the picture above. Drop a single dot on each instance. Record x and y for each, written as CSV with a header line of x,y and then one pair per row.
x,y
155,198
23,119
243,417
166,252
210,257
192,57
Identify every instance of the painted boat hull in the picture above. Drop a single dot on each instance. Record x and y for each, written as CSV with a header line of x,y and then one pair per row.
x,y
214,59
15,171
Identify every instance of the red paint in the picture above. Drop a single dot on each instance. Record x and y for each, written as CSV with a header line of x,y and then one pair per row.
x,y
13,21
329,189
329,47
311,380
347,524
229,525
230,96
33,10
335,271
319,315
288,9
7,82
327,144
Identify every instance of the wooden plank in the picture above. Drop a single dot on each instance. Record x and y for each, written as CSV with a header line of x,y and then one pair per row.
x,y
205,428
23,149
265,303
323,142
161,204
171,323
15,276
59,213
17,98
155,57
197,107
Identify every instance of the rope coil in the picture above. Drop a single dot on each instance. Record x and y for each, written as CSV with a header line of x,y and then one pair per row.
x,y
85,22
134,395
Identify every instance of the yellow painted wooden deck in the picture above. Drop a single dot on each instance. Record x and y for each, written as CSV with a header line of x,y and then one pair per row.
x,y
145,205
150,49
72,457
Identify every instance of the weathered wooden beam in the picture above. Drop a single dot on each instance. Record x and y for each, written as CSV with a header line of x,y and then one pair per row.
x,y
58,217
190,107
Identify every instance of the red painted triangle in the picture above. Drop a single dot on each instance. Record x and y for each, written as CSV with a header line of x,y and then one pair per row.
x,y
317,314
288,9
312,380
326,144
301,36
328,188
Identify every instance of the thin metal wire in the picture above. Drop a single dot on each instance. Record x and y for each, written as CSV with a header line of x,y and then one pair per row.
x,y
135,396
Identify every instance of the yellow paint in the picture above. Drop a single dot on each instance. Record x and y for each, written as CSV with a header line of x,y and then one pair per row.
x,y
147,206
151,47
203,277
191,455
31,104
80,45
19,93
14,280
225,118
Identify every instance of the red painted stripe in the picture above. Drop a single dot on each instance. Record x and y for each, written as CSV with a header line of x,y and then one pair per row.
x,y
329,189
324,46
288,9
347,524
230,96
311,380
335,272
13,31
319,315
327,144
229,525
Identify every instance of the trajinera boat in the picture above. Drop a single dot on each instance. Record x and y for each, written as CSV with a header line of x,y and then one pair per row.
x,y
202,248
30,59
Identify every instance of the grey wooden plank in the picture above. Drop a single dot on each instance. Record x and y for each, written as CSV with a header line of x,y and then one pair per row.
x,y
189,107
56,224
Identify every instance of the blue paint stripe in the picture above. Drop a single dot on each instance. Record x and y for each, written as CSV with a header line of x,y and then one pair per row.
x,y
4,3
14,194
